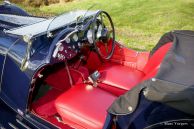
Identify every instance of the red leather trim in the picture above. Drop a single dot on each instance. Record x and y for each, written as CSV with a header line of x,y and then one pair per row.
x,y
84,106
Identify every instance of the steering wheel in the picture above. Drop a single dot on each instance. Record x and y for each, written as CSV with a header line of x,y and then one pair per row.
x,y
104,35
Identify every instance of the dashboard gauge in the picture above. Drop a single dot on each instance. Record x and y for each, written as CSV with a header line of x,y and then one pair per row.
x,y
61,48
67,40
99,32
90,36
75,37
73,47
56,49
79,44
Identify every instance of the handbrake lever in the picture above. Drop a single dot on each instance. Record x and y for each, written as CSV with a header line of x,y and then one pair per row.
x,y
93,78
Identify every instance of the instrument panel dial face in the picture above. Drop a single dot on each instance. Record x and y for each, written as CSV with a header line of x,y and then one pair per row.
x,y
75,37
68,40
90,36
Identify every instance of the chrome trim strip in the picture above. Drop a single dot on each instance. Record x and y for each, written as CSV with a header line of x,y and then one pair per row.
x,y
13,126
22,124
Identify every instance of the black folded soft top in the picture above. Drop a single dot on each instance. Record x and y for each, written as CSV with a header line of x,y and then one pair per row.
x,y
174,83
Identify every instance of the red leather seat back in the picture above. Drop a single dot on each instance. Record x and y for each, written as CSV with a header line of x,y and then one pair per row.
x,y
142,59
155,60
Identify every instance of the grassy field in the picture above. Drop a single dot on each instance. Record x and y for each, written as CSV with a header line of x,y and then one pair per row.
x,y
139,23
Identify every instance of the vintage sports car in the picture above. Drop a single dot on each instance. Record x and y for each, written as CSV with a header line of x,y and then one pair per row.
x,y
69,72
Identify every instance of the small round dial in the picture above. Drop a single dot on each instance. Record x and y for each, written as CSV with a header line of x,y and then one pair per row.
x,y
90,36
75,37
68,40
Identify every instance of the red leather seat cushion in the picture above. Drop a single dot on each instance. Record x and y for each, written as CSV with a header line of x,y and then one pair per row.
x,y
45,106
84,106
115,76
118,79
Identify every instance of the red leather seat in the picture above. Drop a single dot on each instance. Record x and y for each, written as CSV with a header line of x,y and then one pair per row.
x,y
84,106
118,79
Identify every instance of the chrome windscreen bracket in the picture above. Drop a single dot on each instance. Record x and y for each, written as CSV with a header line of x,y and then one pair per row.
x,y
24,64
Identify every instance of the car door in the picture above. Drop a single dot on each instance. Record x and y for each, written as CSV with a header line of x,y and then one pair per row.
x,y
15,87
13,83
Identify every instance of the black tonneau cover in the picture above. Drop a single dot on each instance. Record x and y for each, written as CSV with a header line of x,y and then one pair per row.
x,y
174,83
20,20
9,21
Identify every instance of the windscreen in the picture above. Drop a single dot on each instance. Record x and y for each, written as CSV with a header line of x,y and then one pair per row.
x,y
51,24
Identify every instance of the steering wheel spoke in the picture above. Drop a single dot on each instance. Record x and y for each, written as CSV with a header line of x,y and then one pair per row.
x,y
107,35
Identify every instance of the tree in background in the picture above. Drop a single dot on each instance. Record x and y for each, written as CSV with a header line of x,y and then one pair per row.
x,y
62,1
38,3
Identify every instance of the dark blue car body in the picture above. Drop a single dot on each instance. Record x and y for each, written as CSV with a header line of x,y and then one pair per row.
x,y
15,84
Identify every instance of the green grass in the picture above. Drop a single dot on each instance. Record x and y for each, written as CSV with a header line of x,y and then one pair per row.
x,y
139,23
